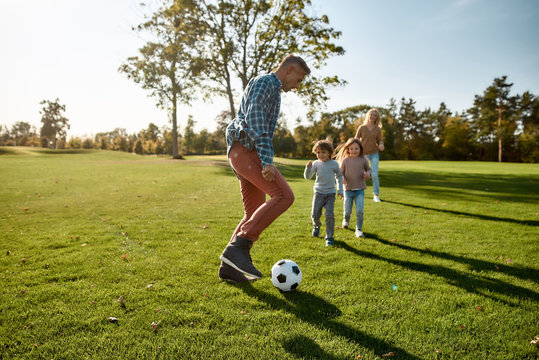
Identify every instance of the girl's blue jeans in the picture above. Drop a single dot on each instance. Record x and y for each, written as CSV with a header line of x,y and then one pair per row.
x,y
357,196
374,160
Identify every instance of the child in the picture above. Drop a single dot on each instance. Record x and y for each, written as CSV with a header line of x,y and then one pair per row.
x,y
355,169
370,135
326,170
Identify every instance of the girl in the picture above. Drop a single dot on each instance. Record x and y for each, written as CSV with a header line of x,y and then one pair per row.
x,y
370,135
355,169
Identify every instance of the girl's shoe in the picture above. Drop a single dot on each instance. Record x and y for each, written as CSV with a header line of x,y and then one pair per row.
x,y
359,233
330,242
316,231
345,224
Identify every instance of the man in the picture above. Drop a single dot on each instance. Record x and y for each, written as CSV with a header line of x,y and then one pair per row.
x,y
250,153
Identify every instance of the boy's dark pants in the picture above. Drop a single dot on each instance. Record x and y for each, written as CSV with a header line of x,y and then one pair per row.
x,y
326,201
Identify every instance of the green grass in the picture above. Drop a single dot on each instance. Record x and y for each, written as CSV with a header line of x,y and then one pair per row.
x,y
448,269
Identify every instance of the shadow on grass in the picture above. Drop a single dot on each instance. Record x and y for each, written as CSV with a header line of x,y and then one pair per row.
x,y
316,311
480,285
304,348
524,273
477,216
515,188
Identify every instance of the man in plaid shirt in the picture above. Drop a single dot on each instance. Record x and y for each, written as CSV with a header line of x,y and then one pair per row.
x,y
250,153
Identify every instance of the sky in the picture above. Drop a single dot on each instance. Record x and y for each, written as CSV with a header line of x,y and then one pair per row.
x,y
431,51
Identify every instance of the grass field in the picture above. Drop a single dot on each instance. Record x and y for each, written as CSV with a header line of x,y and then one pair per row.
x,y
449,268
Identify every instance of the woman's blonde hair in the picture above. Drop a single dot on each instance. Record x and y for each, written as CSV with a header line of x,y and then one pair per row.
x,y
343,152
375,115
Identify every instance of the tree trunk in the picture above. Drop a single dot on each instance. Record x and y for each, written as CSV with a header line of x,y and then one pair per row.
x,y
500,134
230,96
175,153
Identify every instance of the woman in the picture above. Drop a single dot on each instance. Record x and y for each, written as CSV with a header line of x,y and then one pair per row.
x,y
370,135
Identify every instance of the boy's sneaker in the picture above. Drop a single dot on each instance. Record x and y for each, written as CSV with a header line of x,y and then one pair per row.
x,y
316,231
359,234
330,242
345,224
376,198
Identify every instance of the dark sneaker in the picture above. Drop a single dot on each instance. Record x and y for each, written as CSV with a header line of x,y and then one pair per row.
x,y
316,231
231,275
330,242
236,254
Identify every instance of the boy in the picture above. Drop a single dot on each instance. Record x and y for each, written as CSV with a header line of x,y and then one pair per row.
x,y
327,171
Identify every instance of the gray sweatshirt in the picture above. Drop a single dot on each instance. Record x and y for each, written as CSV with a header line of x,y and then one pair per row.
x,y
326,174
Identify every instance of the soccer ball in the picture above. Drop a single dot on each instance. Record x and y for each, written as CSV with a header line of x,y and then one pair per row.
x,y
286,275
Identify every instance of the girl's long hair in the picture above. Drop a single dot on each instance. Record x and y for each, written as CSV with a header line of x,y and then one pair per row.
x,y
375,115
342,149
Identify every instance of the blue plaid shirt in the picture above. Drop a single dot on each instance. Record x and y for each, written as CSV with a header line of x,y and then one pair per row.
x,y
257,116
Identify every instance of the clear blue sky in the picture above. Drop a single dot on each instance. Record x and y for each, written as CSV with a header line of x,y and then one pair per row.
x,y
431,51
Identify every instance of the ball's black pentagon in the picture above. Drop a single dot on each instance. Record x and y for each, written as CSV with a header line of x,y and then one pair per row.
x,y
295,269
294,286
281,278
281,263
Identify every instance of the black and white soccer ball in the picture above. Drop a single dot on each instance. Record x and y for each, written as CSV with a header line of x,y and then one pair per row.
x,y
286,275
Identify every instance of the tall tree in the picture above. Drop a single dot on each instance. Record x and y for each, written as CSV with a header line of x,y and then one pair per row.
x,y
528,141
165,65
493,114
55,124
245,38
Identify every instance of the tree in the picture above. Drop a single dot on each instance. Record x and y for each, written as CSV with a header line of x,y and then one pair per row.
x,y
528,140
283,141
165,66
55,124
245,38
493,115
152,132
21,131
457,144
189,134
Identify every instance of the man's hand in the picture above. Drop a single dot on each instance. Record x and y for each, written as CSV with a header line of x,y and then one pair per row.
x,y
366,175
341,196
268,173
381,147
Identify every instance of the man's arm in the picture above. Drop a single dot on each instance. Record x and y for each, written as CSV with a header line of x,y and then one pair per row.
x,y
258,125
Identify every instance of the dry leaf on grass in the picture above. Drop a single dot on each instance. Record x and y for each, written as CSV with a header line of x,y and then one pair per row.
x,y
155,325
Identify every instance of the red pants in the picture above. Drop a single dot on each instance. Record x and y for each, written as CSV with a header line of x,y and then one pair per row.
x,y
259,213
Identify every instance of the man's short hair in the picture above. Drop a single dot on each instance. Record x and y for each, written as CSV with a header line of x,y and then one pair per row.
x,y
292,59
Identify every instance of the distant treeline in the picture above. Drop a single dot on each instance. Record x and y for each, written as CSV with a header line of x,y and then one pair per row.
x,y
408,133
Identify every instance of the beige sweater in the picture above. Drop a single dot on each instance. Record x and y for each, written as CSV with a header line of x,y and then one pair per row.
x,y
370,139
352,171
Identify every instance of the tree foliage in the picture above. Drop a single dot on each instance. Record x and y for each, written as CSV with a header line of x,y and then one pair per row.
x,y
246,38
165,65
55,124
